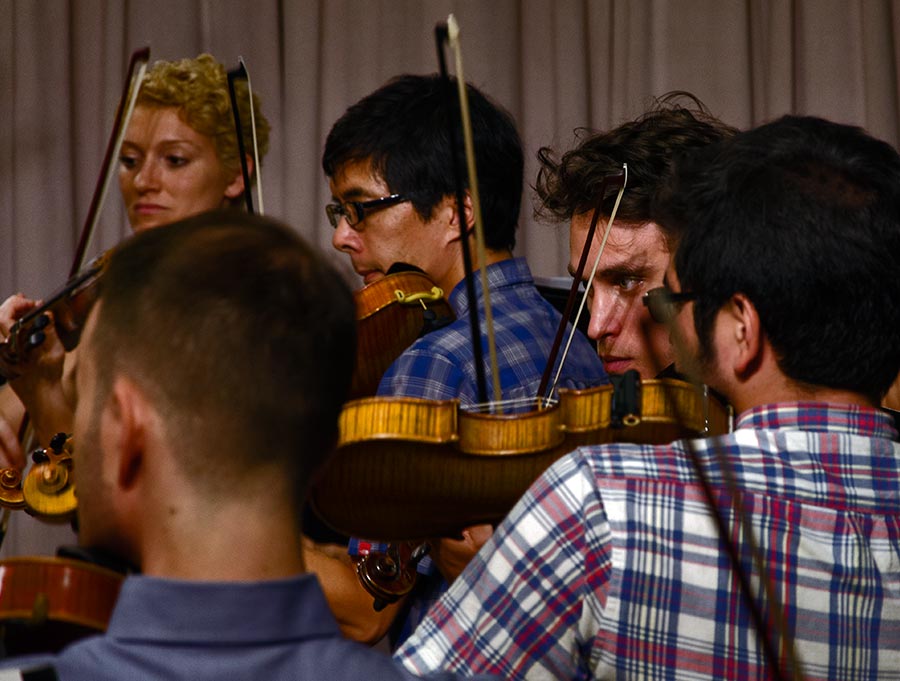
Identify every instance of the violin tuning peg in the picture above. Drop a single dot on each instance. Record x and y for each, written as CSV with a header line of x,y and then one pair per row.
x,y
58,442
41,322
40,455
36,339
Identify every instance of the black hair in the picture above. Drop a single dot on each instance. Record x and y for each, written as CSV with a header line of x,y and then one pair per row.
x,y
568,187
402,129
803,217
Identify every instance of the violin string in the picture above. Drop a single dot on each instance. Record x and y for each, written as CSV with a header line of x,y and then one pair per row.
x,y
510,403
587,289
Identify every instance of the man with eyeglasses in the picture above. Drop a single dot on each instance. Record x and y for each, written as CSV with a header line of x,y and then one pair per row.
x,y
783,295
637,251
389,164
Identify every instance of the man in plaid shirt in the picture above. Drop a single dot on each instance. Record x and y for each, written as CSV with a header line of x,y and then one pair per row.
x,y
388,159
784,295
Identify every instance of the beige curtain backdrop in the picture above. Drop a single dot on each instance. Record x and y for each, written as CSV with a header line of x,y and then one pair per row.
x,y
555,64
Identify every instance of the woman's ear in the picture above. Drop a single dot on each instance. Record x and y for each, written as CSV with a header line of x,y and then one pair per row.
x,y
236,187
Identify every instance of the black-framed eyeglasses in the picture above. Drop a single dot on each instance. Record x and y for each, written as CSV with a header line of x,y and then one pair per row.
x,y
664,304
355,211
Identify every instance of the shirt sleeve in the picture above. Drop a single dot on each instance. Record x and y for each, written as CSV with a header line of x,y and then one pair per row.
x,y
423,374
517,608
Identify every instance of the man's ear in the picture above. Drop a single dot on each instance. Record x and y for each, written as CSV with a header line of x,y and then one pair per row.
x,y
449,204
236,187
127,421
746,334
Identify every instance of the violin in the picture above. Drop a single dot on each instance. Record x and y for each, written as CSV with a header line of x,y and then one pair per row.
x,y
69,305
392,312
47,603
48,489
411,469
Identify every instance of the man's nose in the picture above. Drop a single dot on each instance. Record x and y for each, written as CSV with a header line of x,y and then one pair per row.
x,y
606,317
345,238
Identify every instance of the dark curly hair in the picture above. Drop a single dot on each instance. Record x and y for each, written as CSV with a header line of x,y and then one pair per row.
x,y
648,145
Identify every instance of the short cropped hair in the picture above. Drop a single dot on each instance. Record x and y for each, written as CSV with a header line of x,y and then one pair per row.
x,y
803,217
198,88
568,187
242,335
402,129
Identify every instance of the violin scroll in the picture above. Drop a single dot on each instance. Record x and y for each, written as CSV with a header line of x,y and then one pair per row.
x,y
390,574
48,489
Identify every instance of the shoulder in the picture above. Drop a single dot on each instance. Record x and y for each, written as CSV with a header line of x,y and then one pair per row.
x,y
434,367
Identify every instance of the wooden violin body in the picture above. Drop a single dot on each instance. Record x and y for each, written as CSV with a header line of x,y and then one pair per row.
x,y
391,314
47,603
409,469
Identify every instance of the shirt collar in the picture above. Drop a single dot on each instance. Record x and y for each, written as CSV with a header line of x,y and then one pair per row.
x,y
820,416
506,273
151,608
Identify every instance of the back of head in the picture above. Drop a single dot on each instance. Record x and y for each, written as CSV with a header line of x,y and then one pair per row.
x,y
803,216
198,88
402,128
678,123
241,335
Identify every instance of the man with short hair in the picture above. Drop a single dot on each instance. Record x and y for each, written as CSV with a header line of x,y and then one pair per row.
x,y
783,295
637,252
389,161
209,380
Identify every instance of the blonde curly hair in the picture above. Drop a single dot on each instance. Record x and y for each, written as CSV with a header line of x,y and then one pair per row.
x,y
198,88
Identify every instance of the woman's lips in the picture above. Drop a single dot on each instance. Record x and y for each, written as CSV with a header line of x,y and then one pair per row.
x,y
148,208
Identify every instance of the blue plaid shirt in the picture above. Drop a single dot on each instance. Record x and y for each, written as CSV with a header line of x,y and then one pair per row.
x,y
441,365
610,565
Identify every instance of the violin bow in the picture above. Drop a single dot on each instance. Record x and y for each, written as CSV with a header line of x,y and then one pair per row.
x,y
137,66
9,349
240,73
449,32
618,179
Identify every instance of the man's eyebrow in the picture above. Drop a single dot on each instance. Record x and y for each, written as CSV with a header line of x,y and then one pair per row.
x,y
355,193
625,269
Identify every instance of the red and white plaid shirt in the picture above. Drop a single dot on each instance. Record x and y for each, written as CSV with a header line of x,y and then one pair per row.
x,y
611,567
